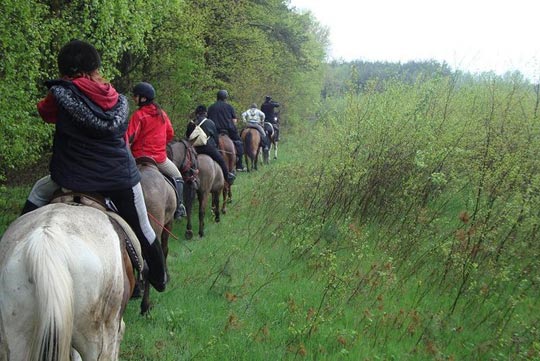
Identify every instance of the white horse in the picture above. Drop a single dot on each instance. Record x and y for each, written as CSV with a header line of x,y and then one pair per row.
x,y
63,286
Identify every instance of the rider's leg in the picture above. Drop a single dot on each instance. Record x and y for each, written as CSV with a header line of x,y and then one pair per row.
x,y
131,206
213,153
169,169
239,149
41,194
264,138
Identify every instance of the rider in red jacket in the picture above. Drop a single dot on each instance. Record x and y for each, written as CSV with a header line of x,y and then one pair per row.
x,y
148,133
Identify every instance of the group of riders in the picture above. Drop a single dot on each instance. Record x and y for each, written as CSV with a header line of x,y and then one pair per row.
x,y
95,144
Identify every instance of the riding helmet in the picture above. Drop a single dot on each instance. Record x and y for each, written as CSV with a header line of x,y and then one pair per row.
x,y
201,109
268,98
76,57
222,94
144,89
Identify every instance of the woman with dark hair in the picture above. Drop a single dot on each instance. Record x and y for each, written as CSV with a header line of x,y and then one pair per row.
x,y
90,154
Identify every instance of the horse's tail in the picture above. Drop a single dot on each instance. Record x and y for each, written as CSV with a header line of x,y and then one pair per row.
x,y
48,269
249,151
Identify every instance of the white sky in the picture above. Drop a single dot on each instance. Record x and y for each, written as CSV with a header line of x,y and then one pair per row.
x,y
472,35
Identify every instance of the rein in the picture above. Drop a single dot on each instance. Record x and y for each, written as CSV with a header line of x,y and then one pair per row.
x,y
167,230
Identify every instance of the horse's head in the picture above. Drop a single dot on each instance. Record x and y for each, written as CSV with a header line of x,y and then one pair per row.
x,y
184,157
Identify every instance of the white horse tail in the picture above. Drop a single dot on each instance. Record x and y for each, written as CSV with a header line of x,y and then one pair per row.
x,y
48,261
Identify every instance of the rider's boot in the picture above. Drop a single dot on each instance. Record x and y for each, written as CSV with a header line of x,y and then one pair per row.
x,y
179,187
153,255
28,207
230,178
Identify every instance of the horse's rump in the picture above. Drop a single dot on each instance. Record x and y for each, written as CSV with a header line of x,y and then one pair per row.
x,y
62,285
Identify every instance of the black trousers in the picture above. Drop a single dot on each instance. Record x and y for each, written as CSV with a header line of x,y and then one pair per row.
x,y
213,153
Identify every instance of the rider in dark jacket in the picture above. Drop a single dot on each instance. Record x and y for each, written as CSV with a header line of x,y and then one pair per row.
x,y
211,146
90,154
224,116
268,109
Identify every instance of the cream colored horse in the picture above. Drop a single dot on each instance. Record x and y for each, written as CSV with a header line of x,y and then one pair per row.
x,y
63,286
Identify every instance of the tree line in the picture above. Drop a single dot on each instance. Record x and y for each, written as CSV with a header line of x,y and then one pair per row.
x,y
188,48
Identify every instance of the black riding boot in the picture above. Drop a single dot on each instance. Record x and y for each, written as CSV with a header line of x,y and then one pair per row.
x,y
28,207
153,255
180,209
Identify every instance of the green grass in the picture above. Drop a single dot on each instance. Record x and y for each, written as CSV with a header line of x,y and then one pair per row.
x,y
276,280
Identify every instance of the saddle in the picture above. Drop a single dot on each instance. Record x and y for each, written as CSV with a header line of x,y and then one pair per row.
x,y
147,161
131,243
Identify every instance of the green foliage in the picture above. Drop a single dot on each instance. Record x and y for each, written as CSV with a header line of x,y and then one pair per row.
x,y
187,48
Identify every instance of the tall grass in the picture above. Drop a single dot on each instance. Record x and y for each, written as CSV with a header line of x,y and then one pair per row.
x,y
402,224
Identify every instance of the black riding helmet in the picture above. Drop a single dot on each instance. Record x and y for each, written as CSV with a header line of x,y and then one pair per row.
x,y
222,94
145,90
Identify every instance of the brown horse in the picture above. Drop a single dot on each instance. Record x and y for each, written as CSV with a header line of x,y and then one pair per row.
x,y
211,183
228,151
160,200
252,146
183,155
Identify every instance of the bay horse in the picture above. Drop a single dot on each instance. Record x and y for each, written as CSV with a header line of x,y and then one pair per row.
x,y
160,200
64,285
252,145
228,152
183,155
211,184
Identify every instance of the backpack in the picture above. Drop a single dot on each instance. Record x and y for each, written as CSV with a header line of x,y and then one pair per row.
x,y
198,136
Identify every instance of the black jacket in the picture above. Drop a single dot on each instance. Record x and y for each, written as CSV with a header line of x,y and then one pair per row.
x,y
89,149
268,109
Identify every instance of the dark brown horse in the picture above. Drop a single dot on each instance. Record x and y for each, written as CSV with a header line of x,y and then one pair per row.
x,y
211,184
252,145
228,152
183,155
160,200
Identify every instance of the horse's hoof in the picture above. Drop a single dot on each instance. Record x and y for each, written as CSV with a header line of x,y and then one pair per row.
x,y
145,308
189,235
275,157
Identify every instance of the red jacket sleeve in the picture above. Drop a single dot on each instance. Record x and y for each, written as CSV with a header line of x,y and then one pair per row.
x,y
48,109
170,130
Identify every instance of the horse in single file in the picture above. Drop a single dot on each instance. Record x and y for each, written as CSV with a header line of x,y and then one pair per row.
x,y
273,135
183,155
160,201
211,185
64,285
228,152
252,145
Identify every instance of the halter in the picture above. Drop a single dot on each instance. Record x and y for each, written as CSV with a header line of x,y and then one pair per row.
x,y
189,167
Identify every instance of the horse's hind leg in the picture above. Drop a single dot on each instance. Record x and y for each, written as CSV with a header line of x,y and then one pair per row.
x,y
275,150
203,199
215,205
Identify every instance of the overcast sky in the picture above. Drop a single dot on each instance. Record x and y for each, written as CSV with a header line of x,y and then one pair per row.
x,y
473,35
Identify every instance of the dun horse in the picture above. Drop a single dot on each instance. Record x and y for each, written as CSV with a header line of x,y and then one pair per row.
x,y
252,146
211,184
64,286
160,200
183,155
228,151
